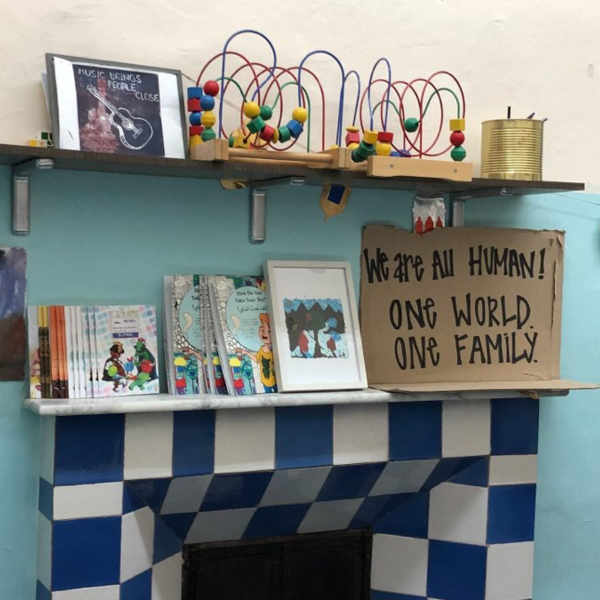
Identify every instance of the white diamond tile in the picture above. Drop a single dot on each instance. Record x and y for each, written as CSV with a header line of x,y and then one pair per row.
x,y
466,426
219,525
509,572
185,494
148,445
458,513
166,578
89,500
295,486
44,551
330,515
245,440
137,543
403,477
399,565
509,470
47,446
110,592
360,433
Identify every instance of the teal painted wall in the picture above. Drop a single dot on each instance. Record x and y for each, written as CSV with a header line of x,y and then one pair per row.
x,y
110,238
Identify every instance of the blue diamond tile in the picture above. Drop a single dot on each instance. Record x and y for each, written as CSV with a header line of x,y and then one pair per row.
x,y
456,571
180,523
131,500
193,442
350,481
415,430
375,508
274,521
511,516
151,491
166,541
303,436
477,474
46,499
138,588
89,449
237,490
86,553
411,519
515,424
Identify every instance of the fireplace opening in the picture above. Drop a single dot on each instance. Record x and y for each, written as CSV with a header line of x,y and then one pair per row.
x,y
321,566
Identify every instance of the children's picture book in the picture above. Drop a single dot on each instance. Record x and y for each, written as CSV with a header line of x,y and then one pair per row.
x,y
186,357
92,351
243,334
13,335
126,350
216,378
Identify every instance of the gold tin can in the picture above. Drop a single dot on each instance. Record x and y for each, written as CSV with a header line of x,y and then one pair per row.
x,y
512,149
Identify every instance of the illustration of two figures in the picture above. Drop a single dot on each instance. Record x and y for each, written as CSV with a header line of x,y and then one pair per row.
x,y
137,371
316,328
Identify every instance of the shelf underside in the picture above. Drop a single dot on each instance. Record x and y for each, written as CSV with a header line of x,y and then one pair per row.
x,y
171,167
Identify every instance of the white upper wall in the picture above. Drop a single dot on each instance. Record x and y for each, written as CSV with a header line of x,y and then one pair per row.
x,y
534,55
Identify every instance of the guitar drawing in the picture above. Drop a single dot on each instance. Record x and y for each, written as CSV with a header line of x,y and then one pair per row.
x,y
134,132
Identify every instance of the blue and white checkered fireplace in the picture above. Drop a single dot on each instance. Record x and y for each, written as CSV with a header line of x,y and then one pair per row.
x,y
448,488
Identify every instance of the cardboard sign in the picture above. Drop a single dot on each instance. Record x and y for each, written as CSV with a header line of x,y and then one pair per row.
x,y
461,305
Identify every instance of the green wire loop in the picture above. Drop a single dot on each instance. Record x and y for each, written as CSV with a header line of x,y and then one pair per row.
x,y
426,106
236,85
276,102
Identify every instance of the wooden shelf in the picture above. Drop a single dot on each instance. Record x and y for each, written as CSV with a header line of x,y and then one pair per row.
x,y
169,167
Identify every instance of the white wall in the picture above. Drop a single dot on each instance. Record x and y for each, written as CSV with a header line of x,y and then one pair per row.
x,y
535,55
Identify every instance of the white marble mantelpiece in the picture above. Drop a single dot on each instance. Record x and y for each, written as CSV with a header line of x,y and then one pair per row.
x,y
168,403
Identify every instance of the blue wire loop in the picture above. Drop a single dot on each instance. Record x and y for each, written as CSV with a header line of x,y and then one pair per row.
x,y
355,73
338,138
260,85
387,105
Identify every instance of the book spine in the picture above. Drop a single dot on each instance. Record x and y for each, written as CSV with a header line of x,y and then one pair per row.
x,y
220,339
45,361
35,387
54,353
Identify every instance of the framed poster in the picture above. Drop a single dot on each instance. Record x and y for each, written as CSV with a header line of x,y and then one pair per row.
x,y
103,106
314,321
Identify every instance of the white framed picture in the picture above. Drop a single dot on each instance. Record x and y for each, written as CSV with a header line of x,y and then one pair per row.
x,y
116,108
315,328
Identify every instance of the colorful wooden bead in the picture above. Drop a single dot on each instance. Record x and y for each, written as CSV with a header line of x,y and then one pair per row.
x,y
266,112
208,119
411,124
370,137
211,88
387,137
239,138
383,149
401,153
457,138
363,152
295,128
196,130
208,134
275,138
457,125
194,105
458,154
251,110
195,140
257,124
353,136
353,145
266,133
284,134
194,92
195,118
300,114
207,102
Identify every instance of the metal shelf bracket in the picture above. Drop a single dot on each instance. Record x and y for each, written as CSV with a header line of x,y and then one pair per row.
x,y
21,192
459,200
258,205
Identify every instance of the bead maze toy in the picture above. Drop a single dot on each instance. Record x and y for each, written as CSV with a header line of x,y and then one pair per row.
x,y
386,138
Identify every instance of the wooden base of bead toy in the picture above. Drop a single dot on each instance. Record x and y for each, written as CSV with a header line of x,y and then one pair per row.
x,y
337,158
393,166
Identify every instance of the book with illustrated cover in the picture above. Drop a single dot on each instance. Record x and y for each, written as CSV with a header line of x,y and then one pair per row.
x,y
214,370
242,330
184,326
126,350
35,370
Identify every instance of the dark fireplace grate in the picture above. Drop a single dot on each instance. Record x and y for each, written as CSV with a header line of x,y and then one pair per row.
x,y
322,566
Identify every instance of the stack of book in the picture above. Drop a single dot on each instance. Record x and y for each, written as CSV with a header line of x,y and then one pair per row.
x,y
92,351
217,335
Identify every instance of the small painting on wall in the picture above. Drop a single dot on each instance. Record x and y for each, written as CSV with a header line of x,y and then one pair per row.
x,y
116,108
13,264
315,329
